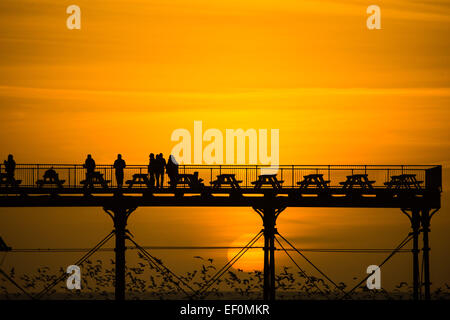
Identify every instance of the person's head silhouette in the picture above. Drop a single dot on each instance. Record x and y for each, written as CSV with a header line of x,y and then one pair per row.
x,y
89,156
119,156
10,157
152,156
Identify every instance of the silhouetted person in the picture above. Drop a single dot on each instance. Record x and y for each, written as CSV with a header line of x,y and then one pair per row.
x,y
160,164
89,165
51,175
10,168
162,167
119,165
151,168
157,169
172,169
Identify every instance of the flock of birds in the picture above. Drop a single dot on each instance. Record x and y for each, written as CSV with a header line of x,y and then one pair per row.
x,y
144,281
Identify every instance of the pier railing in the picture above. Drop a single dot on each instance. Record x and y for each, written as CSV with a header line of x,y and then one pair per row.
x,y
73,174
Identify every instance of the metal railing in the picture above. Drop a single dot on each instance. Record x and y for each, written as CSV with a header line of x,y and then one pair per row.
x,y
73,174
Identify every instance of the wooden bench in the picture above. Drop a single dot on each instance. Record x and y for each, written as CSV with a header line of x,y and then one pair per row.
x,y
404,181
226,179
360,181
139,179
190,179
267,179
57,182
50,178
5,180
314,180
93,179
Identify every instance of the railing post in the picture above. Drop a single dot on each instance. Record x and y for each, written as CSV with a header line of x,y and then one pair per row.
x,y
292,182
246,177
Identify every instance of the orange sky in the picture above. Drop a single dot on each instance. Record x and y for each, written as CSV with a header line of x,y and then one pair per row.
x,y
137,70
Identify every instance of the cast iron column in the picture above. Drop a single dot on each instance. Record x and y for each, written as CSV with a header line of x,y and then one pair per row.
x,y
120,215
269,219
426,252
415,224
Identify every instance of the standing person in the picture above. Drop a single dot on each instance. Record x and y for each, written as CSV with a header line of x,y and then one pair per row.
x,y
10,168
162,167
172,169
89,165
157,169
119,165
151,169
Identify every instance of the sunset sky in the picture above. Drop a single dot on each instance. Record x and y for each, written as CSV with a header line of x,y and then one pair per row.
x,y
139,69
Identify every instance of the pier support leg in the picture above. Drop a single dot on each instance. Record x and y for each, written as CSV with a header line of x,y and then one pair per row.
x,y
426,252
269,220
415,224
120,216
269,214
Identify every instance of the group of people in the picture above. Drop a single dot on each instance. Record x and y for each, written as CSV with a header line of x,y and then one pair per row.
x,y
10,169
156,167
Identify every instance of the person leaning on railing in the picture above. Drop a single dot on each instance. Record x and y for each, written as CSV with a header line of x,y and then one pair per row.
x,y
119,165
10,168
172,169
151,168
89,165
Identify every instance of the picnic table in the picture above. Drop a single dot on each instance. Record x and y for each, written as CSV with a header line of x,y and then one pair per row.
x,y
226,179
140,179
404,181
360,181
314,180
6,180
95,178
268,179
190,179
50,178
